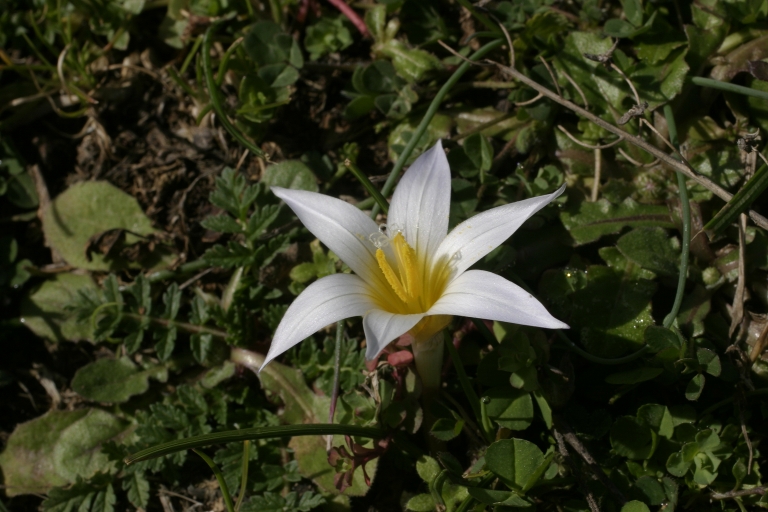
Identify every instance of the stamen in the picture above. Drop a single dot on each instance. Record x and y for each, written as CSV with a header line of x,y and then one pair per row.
x,y
390,276
406,257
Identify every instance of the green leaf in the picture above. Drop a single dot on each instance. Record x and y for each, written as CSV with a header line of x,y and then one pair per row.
x,y
546,410
45,310
166,342
502,498
515,461
90,208
21,191
707,439
137,488
421,503
633,439
694,309
709,361
95,495
650,248
652,489
57,448
427,468
293,174
233,255
739,203
695,387
659,338
594,220
233,194
114,380
634,376
446,429
677,465
260,221
635,506
221,224
658,418
610,311
510,408
274,502
327,35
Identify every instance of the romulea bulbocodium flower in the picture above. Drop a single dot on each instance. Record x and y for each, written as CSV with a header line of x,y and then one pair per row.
x,y
410,276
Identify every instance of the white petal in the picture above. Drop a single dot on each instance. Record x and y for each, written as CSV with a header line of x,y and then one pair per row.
x,y
342,227
422,201
324,302
382,328
483,295
479,235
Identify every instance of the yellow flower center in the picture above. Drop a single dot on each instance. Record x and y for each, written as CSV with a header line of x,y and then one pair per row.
x,y
415,284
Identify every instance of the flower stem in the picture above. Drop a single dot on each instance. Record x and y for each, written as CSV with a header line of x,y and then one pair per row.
x,y
686,215
229,436
428,356
220,478
466,385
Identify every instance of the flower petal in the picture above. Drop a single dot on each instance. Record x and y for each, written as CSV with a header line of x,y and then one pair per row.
x,y
422,202
480,294
342,227
479,235
381,328
324,302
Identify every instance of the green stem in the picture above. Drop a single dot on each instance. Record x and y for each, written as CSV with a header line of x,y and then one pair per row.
x,y
486,480
729,87
184,270
363,179
214,92
484,126
181,82
431,111
686,214
336,369
243,473
600,360
191,55
485,421
225,61
466,386
729,400
229,436
182,326
436,488
220,478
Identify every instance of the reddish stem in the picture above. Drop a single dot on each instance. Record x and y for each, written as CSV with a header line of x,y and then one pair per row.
x,y
347,11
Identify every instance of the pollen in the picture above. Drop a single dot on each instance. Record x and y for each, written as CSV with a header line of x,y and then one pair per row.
x,y
413,280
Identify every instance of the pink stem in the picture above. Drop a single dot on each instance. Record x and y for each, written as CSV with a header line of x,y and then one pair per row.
x,y
347,11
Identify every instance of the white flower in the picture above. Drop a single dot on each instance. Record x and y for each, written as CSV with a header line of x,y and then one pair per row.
x,y
413,275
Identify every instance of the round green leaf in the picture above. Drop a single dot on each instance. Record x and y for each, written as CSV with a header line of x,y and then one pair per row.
x,y
77,451
632,439
515,461
54,449
114,380
509,407
290,174
635,506
44,310
87,209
